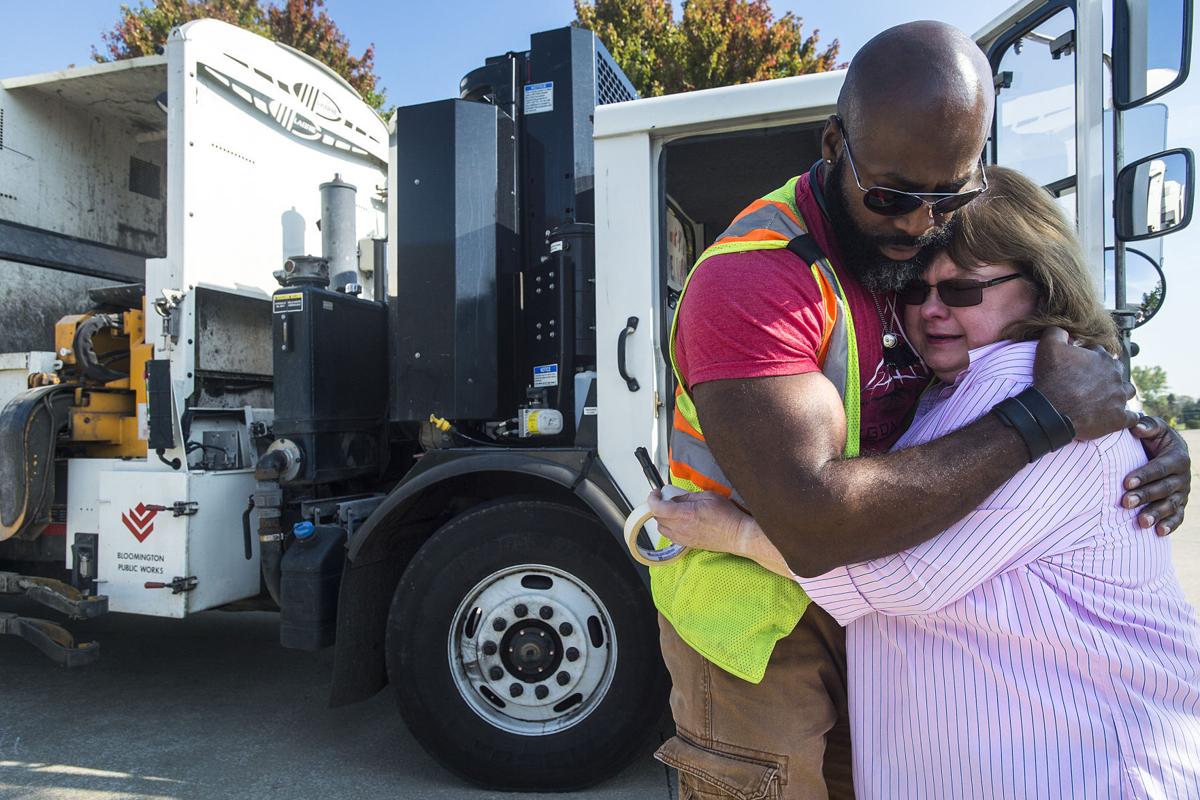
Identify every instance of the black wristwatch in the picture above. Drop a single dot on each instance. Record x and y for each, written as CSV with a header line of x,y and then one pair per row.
x,y
1042,427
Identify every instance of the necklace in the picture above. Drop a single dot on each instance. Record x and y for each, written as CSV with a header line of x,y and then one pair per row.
x,y
890,339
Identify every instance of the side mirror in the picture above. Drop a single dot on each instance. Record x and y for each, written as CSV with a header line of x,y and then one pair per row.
x,y
1154,195
1152,47
1146,284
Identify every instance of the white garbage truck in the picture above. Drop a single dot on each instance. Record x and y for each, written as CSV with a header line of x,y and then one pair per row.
x,y
264,350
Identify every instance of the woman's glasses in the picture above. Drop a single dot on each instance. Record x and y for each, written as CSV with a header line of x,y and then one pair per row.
x,y
954,292
895,203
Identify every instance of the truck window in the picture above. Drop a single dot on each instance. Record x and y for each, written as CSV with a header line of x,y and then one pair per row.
x,y
1035,105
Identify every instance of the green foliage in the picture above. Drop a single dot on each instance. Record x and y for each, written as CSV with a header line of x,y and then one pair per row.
x,y
1151,300
302,24
1151,383
717,43
1189,413
1159,401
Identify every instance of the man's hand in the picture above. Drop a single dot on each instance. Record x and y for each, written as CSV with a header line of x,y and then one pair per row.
x,y
1164,484
1084,384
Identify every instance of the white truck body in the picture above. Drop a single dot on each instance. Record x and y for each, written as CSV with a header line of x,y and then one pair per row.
x,y
217,191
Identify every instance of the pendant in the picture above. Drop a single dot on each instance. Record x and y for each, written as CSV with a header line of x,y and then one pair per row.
x,y
890,340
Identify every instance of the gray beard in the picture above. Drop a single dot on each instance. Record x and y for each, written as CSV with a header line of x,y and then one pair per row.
x,y
888,276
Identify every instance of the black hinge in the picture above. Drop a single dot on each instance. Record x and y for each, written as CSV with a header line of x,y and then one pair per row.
x,y
1063,46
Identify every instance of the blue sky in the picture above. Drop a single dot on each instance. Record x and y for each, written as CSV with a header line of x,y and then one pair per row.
x,y
423,48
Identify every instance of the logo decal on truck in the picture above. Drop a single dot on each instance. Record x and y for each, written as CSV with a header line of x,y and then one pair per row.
x,y
140,521
299,108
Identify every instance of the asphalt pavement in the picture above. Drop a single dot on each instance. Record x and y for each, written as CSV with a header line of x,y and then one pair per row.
x,y
211,707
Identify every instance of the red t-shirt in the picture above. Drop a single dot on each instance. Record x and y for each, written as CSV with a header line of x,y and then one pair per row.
x,y
758,314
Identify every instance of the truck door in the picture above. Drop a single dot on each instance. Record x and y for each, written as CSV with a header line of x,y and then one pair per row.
x,y
1073,83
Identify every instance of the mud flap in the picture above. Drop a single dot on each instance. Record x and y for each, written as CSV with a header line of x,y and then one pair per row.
x,y
29,427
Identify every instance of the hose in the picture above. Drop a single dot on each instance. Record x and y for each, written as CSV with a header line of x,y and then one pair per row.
x,y
91,364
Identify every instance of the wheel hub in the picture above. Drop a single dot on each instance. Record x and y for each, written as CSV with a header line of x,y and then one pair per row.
x,y
531,650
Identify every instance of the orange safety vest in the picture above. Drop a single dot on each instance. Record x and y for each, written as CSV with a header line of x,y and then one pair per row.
x,y
728,608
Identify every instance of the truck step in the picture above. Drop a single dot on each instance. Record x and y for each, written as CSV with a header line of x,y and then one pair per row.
x,y
52,639
55,594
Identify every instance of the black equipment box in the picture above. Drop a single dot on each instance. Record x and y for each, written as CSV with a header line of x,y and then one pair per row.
x,y
493,296
330,361
455,240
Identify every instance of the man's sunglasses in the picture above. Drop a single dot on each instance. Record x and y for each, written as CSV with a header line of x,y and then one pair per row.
x,y
895,203
954,292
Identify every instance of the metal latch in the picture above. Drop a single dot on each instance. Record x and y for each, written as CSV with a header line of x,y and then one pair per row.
x,y
180,508
177,586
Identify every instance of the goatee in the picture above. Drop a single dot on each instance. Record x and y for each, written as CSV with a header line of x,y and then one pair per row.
x,y
861,250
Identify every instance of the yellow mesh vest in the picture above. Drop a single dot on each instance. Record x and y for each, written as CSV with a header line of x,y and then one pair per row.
x,y
728,608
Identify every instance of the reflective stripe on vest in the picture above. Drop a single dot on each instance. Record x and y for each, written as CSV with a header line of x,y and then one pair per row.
x,y
727,608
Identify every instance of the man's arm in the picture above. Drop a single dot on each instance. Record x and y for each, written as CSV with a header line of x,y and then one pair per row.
x,y
779,441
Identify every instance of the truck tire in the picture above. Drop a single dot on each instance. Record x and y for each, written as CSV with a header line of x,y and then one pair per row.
x,y
523,648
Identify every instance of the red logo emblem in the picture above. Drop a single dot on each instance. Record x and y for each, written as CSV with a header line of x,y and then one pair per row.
x,y
140,521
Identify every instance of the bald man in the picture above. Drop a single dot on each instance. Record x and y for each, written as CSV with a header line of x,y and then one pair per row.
x,y
913,115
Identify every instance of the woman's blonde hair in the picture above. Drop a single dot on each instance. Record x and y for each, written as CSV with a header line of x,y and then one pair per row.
x,y
1017,222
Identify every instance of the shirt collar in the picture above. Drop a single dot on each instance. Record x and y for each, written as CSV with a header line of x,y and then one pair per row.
x,y
974,356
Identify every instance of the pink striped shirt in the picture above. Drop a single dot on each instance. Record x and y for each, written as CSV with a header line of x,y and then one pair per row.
x,y
1041,647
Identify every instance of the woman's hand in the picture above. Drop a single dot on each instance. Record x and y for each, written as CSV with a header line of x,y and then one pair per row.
x,y
708,521
1163,485
699,519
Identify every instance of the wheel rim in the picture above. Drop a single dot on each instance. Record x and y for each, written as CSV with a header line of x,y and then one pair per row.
x,y
532,650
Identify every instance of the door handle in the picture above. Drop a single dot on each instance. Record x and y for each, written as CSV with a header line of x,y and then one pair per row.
x,y
630,327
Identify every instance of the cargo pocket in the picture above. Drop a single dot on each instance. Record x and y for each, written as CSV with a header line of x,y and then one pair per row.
x,y
706,774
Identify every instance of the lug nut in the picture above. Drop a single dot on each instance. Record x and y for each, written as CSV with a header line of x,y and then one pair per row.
x,y
489,648
562,678
499,624
521,610
495,673
545,612
566,629
572,654
516,690
541,692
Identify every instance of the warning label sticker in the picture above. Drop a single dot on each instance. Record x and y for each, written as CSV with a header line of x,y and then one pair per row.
x,y
287,303
545,375
539,97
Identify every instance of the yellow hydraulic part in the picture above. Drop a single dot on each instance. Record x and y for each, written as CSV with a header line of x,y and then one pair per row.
x,y
107,420
104,414
64,338
442,425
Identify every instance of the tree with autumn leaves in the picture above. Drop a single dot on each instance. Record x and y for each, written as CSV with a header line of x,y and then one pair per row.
x,y
302,24
717,43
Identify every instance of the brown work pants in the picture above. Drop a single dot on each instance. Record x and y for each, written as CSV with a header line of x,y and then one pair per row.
x,y
786,738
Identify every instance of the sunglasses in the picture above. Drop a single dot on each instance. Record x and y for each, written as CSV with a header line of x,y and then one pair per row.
x,y
954,292
895,203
